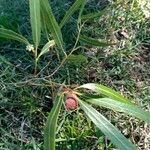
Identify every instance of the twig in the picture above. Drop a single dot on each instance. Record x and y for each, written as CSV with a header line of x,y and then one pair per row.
x,y
73,49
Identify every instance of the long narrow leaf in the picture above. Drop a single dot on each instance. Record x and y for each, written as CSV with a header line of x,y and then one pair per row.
x,y
43,24
93,15
9,34
81,10
35,17
52,25
50,128
94,42
101,89
107,128
46,47
121,107
71,11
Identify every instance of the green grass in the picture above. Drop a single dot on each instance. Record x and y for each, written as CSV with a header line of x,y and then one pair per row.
x,y
125,67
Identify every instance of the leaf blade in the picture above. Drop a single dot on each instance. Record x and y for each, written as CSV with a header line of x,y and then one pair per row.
x,y
50,128
35,19
93,15
71,11
52,25
94,42
132,110
46,48
9,34
101,89
107,128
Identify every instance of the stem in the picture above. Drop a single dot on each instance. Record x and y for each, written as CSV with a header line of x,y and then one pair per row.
x,y
73,49
35,68
36,61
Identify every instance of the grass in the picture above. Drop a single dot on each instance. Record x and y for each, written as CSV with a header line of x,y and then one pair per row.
x,y
25,102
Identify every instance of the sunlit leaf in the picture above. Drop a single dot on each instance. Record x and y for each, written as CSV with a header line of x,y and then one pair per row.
x,y
35,18
51,124
9,34
132,110
101,89
94,42
107,128
46,47
52,25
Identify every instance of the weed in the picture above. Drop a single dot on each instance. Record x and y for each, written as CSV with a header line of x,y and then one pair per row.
x,y
17,73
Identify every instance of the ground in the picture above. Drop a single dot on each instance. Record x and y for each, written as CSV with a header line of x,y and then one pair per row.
x,y
26,99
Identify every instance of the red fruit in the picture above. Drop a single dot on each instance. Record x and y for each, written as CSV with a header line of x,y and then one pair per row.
x,y
71,102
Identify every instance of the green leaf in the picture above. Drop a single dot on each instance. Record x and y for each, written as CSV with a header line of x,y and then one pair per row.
x,y
101,89
52,25
50,128
9,34
46,47
93,15
121,107
71,11
77,60
44,27
35,18
94,42
107,128
81,10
